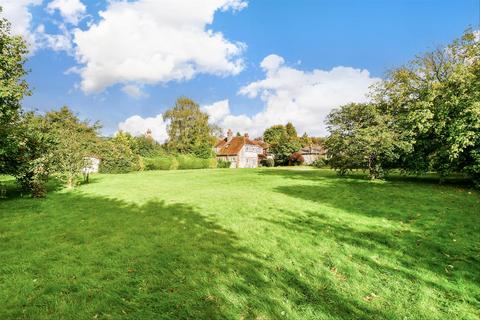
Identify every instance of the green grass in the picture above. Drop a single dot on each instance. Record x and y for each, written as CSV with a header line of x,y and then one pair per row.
x,y
242,244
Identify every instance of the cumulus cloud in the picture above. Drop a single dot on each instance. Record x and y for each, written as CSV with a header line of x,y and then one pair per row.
x,y
301,97
134,91
217,111
151,42
137,126
17,12
72,11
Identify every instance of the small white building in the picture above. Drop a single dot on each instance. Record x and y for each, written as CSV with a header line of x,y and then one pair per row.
x,y
240,151
312,152
92,165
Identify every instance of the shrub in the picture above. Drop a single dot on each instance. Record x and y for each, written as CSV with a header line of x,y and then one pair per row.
x,y
223,164
296,159
160,163
192,162
117,157
269,162
319,163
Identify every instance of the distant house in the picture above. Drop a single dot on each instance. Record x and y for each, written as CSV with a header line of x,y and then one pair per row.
x,y
313,152
240,151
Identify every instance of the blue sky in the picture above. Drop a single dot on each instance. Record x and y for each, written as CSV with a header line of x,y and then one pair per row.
x,y
320,54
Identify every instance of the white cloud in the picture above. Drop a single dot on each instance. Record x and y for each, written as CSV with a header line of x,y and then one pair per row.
x,y
17,12
151,42
301,97
137,125
134,91
72,11
56,42
217,111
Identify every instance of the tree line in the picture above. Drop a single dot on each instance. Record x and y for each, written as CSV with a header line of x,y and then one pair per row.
x,y
423,117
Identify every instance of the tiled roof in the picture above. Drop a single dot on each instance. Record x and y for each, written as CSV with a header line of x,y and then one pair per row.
x,y
232,147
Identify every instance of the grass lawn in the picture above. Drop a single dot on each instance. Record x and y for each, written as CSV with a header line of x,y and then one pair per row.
x,y
242,244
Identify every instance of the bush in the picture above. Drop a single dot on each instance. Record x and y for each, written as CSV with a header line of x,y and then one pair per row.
x,y
160,163
192,162
269,162
319,163
223,164
296,159
117,157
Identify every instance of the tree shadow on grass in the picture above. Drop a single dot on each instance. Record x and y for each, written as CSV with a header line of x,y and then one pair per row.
x,y
362,177
78,256
431,234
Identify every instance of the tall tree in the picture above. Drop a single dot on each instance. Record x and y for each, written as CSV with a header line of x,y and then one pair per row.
x,y
435,101
291,131
188,129
13,87
274,134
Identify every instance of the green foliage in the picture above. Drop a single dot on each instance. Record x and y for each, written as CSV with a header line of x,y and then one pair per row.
x,y
161,163
274,134
193,162
178,162
13,86
117,156
223,164
24,146
319,163
305,140
32,161
361,138
76,140
283,142
424,117
188,130
145,146
269,162
291,131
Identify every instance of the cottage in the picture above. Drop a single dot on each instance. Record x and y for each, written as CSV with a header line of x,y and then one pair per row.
x,y
240,151
312,152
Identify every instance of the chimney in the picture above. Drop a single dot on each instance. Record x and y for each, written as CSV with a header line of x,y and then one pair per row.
x,y
246,135
229,135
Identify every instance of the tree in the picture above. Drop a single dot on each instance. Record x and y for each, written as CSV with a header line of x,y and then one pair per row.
x,y
25,146
282,144
434,101
305,140
274,134
76,140
13,87
291,131
188,130
361,138
31,161
117,154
